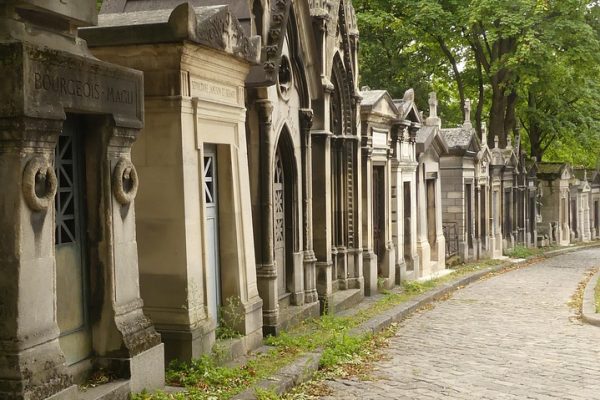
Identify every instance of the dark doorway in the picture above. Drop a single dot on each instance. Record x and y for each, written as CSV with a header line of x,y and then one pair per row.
x,y
379,212
72,269
469,214
407,226
431,217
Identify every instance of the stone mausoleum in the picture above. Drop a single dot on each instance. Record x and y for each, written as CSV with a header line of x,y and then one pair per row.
x,y
553,186
69,293
194,220
430,146
465,190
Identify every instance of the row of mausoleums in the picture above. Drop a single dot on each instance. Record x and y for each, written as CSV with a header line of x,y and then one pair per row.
x,y
220,171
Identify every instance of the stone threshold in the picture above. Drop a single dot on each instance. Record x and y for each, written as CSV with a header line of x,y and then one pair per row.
x,y
115,390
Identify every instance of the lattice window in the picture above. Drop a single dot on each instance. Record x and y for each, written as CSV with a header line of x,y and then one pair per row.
x,y
65,202
278,201
209,180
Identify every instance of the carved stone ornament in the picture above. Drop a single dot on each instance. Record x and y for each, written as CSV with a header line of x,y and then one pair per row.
x,y
125,181
39,184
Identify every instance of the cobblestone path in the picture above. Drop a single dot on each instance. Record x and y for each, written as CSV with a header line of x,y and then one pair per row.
x,y
512,336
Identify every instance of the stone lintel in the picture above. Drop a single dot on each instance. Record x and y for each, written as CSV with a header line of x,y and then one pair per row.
x,y
47,82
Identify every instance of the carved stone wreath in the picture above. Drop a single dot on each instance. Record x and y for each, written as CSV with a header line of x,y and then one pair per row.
x,y
125,181
39,170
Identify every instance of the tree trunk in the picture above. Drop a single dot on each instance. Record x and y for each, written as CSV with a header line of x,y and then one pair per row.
x,y
480,102
497,114
510,121
534,131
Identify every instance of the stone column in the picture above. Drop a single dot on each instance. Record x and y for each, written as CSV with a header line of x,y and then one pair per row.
x,y
423,247
397,202
322,214
142,343
477,241
32,365
440,238
369,256
310,278
266,269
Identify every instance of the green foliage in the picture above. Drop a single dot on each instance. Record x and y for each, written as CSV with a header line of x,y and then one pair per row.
x,y
230,317
342,348
533,62
264,394
522,252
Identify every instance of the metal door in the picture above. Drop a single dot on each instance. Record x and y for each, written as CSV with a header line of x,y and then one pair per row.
x,y
279,224
379,212
70,241
213,276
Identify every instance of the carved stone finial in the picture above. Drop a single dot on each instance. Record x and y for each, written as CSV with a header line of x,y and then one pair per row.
x,y
433,104
496,141
508,142
433,119
483,134
467,123
409,95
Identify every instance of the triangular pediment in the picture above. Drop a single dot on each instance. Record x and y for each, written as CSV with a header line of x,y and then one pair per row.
x,y
386,106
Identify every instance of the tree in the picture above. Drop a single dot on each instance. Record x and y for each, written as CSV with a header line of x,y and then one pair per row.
x,y
515,57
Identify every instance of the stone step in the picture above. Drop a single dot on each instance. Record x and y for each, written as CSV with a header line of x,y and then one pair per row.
x,y
116,390
345,299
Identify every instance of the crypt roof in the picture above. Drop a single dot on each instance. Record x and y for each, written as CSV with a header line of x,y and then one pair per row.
x,y
583,173
553,170
429,136
212,26
462,140
378,101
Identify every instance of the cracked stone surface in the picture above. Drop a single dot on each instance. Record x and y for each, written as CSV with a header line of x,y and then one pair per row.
x,y
512,336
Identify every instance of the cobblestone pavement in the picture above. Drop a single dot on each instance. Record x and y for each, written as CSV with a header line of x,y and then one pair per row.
x,y
511,336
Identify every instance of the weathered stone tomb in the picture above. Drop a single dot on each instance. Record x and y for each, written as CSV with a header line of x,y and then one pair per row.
x,y
69,293
197,268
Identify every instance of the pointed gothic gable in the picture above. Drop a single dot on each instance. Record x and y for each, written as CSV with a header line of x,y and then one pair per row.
x,y
408,108
510,158
532,167
484,154
566,172
430,139
584,187
379,102
595,178
292,20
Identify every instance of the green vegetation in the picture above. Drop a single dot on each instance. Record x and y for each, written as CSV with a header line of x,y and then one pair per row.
x,y
522,252
205,379
230,316
533,63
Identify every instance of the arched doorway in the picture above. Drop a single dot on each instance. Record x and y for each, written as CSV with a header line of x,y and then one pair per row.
x,y
284,186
